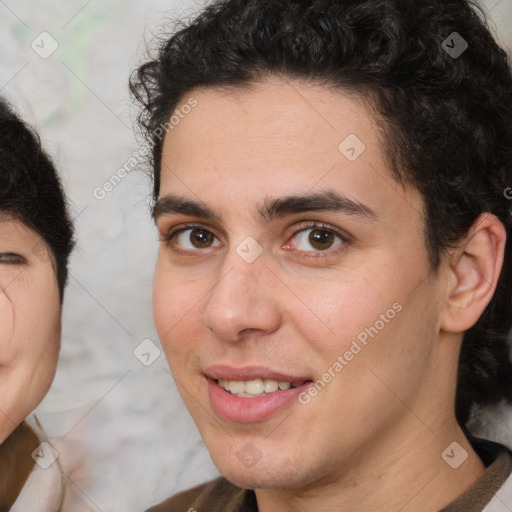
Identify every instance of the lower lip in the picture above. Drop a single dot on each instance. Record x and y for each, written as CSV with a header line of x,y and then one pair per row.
x,y
251,410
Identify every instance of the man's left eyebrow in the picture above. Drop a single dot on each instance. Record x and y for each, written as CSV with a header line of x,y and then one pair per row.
x,y
327,200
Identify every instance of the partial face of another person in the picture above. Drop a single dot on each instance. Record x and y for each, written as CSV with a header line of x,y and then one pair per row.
x,y
293,272
30,320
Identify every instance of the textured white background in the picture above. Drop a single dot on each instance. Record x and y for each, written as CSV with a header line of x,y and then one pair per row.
x,y
123,435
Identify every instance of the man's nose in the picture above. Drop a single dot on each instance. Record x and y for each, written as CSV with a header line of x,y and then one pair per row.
x,y
243,300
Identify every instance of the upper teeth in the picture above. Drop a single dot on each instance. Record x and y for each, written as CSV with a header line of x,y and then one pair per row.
x,y
254,387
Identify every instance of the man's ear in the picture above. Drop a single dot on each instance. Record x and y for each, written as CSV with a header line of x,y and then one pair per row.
x,y
475,268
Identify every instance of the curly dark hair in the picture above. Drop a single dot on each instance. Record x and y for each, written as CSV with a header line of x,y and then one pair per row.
x,y
447,119
30,189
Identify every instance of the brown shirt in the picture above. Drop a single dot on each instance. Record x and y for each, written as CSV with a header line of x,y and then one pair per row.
x,y
222,496
16,463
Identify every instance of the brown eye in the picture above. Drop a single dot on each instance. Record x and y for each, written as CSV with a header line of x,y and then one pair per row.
x,y
201,238
195,238
317,239
321,239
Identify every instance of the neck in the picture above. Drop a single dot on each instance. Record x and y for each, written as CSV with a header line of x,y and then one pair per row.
x,y
400,473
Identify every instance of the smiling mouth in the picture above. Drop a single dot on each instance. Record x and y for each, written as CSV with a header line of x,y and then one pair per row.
x,y
252,394
256,388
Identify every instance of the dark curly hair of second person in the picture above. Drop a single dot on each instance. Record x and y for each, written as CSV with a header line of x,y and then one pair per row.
x,y
31,191
446,121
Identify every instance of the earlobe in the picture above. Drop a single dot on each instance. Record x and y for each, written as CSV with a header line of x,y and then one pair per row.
x,y
476,271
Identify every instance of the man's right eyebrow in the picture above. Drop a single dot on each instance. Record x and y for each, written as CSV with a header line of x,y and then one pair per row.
x,y
180,205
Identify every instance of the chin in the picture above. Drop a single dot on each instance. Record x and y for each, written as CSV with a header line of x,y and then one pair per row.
x,y
278,471
263,478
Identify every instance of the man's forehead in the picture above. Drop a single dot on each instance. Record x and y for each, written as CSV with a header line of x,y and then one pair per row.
x,y
213,154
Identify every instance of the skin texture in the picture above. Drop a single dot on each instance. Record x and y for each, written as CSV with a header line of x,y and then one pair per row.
x,y
373,436
30,313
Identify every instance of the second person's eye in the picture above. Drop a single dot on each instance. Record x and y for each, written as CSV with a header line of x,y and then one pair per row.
x,y
10,258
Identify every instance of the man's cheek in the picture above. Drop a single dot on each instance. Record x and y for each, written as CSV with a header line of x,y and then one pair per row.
x,y
161,316
172,313
7,344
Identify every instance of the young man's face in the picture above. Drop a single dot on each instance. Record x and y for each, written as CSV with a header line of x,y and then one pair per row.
x,y
29,322
274,290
